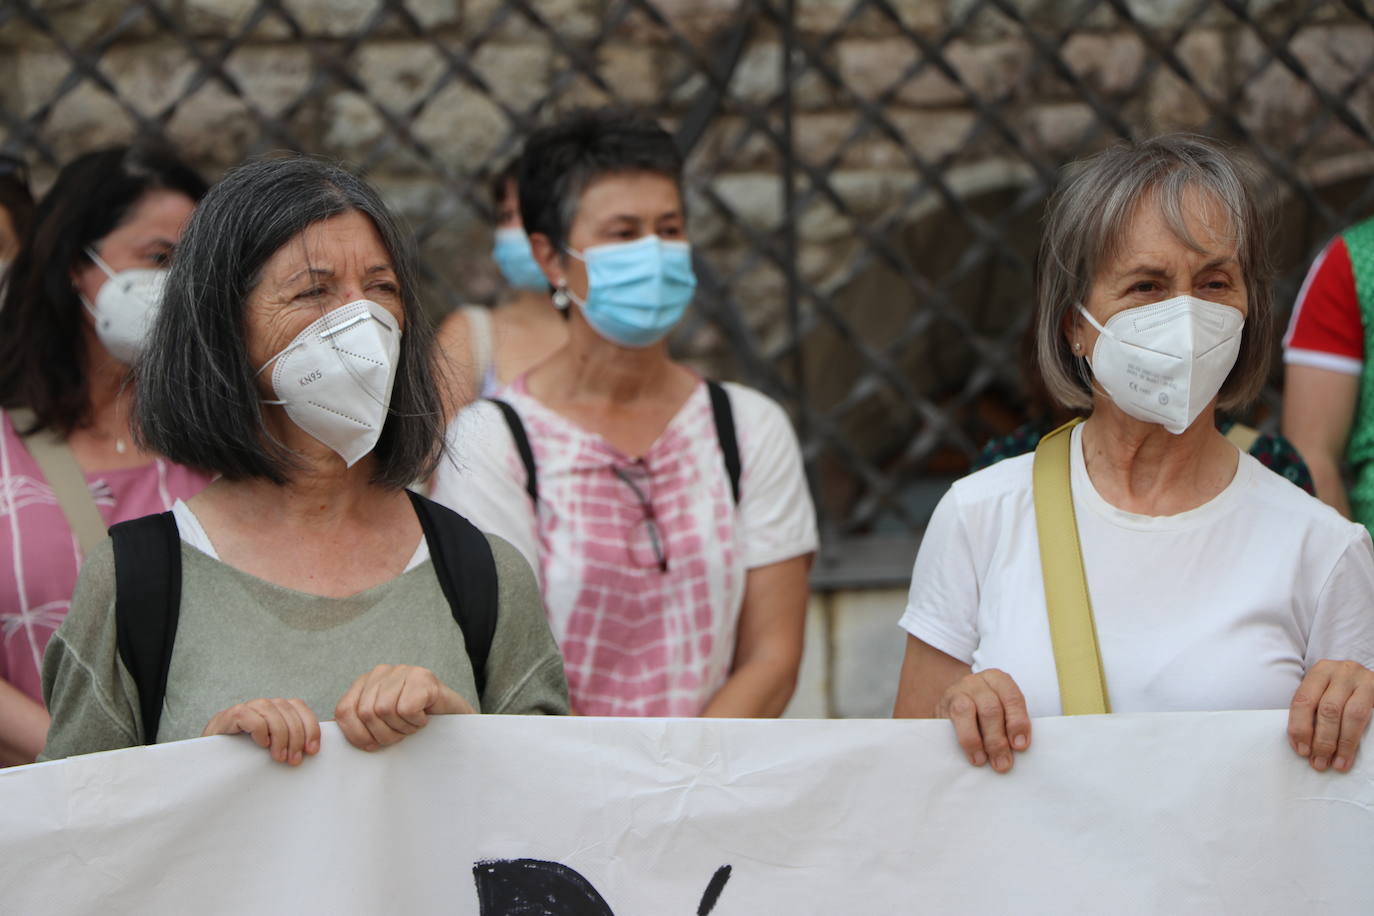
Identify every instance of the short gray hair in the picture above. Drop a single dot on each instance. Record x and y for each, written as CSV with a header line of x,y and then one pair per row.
x,y
197,401
1086,220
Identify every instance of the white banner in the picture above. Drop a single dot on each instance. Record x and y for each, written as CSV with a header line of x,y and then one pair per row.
x,y
1182,813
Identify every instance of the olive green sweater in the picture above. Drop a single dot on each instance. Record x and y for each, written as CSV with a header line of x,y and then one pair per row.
x,y
240,638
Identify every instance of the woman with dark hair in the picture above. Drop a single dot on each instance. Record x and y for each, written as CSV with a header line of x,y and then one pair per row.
x,y
487,348
668,517
75,313
291,358
1140,561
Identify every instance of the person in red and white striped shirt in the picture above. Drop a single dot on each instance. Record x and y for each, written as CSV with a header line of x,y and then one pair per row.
x,y
1324,360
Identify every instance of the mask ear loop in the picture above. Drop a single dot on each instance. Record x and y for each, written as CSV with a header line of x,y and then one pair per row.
x,y
1085,373
263,368
109,274
100,262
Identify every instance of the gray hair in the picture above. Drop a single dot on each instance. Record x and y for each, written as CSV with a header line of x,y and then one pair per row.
x,y
197,401
1085,224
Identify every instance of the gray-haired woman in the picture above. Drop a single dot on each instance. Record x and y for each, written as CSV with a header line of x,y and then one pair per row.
x,y
292,360
1213,583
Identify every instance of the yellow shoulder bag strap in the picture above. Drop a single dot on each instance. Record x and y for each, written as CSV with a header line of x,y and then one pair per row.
x,y
59,466
1082,684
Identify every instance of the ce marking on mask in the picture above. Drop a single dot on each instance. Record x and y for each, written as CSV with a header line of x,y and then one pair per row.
x,y
1163,397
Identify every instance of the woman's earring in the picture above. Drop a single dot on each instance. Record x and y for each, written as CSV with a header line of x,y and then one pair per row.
x,y
1078,346
560,298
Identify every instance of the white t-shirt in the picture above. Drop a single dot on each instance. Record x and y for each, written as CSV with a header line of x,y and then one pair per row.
x,y
637,639
1225,606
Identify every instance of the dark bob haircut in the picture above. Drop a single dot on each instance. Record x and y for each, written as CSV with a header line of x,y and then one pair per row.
x,y
42,344
560,161
197,400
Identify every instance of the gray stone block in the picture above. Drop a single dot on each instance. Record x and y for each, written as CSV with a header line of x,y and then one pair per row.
x,y
811,699
866,648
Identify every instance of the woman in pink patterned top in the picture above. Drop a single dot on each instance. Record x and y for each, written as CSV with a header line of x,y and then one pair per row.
x,y
673,551
75,308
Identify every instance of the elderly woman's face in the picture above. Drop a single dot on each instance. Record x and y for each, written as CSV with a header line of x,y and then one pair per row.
x,y
332,263
622,208
1153,264
145,239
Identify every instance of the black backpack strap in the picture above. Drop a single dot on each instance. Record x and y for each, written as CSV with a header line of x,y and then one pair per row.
x,y
522,445
466,569
725,433
147,555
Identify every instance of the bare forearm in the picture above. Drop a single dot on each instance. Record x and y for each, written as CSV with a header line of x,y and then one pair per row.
x,y
1326,478
757,690
926,674
1318,411
23,726
768,649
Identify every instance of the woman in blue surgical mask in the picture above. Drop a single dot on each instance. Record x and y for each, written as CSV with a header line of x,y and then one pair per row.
x,y
483,348
82,288
668,518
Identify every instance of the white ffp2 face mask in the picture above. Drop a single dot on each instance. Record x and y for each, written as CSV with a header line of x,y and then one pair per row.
x,y
335,377
1163,363
125,307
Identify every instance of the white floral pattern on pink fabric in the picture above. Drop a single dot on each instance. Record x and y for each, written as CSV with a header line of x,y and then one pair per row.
x,y
43,557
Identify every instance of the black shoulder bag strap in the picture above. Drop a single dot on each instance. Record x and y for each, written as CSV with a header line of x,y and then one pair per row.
x,y
466,570
147,554
522,445
721,412
725,433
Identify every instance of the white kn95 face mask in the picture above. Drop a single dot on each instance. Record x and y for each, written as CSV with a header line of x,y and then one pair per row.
x,y
1163,363
126,307
335,377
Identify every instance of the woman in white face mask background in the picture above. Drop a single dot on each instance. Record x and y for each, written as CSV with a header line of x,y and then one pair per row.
x,y
292,360
483,348
1213,584
672,591
69,465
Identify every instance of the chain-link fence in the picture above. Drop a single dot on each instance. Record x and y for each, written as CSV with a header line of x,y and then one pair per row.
x,y
866,177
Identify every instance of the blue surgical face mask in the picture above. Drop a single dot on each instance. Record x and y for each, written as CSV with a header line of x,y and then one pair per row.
x,y
636,291
513,255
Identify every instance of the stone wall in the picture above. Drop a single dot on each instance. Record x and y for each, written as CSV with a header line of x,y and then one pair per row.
x,y
853,655
423,94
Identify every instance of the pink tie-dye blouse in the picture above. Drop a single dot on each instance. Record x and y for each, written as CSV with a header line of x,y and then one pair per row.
x,y
637,640
41,552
